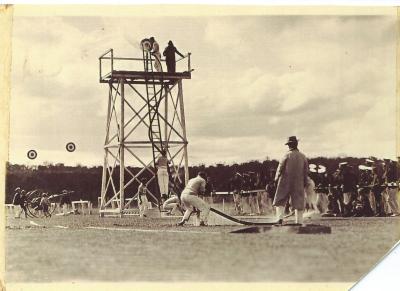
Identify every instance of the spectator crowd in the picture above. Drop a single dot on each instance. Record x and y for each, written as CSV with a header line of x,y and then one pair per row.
x,y
370,190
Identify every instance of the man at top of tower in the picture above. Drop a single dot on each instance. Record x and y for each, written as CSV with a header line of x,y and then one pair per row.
x,y
169,54
155,51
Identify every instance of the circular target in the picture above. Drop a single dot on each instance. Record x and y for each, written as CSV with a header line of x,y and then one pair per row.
x,y
32,154
70,147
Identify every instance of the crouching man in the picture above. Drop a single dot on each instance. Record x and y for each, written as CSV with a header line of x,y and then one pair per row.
x,y
190,199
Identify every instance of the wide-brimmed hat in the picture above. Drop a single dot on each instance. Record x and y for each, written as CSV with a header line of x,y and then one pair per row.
x,y
292,139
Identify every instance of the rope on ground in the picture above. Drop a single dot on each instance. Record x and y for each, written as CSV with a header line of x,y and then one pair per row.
x,y
238,220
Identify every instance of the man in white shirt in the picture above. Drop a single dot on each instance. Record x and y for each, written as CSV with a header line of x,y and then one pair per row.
x,y
162,175
190,200
156,53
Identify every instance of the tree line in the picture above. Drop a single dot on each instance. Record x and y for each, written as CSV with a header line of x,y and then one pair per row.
x,y
86,181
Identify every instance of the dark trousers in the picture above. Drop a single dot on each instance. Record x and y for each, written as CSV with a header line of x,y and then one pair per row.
x,y
23,207
378,200
338,196
171,66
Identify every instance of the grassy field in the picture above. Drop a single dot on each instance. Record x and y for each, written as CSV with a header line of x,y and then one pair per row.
x,y
154,249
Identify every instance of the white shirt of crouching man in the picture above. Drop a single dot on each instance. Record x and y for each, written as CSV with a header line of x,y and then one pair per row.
x,y
172,204
189,198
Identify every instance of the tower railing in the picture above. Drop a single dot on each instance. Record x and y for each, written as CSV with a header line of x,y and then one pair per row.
x,y
108,63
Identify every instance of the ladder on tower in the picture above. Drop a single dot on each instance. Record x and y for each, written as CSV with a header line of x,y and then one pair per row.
x,y
153,103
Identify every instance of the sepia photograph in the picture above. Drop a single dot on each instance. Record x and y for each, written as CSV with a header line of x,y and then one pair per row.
x,y
171,144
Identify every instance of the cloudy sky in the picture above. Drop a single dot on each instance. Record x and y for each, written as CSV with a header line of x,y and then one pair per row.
x,y
329,80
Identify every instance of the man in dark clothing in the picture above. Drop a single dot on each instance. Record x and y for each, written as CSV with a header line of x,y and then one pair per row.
x,y
207,195
17,196
361,205
333,205
349,183
377,190
169,54
22,203
65,201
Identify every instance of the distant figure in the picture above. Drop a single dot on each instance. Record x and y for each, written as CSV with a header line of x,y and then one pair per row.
x,y
143,203
209,191
270,189
361,205
16,202
65,201
169,54
349,182
245,199
155,51
392,198
255,183
23,202
291,177
236,184
194,187
162,175
45,205
311,195
390,177
377,189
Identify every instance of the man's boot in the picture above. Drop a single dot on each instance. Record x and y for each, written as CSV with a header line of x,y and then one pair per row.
x,y
280,211
299,216
181,223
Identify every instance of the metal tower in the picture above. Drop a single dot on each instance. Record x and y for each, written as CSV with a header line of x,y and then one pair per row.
x,y
145,115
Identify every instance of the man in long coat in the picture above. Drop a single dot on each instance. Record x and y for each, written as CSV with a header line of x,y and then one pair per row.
x,y
291,177
169,54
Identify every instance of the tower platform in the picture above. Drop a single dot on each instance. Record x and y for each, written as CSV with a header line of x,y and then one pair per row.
x,y
113,68
141,77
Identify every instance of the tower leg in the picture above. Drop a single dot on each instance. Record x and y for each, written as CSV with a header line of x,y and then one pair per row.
x,y
185,153
166,90
121,152
104,175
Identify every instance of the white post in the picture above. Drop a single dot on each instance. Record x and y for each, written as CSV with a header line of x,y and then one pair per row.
x,y
185,153
121,152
